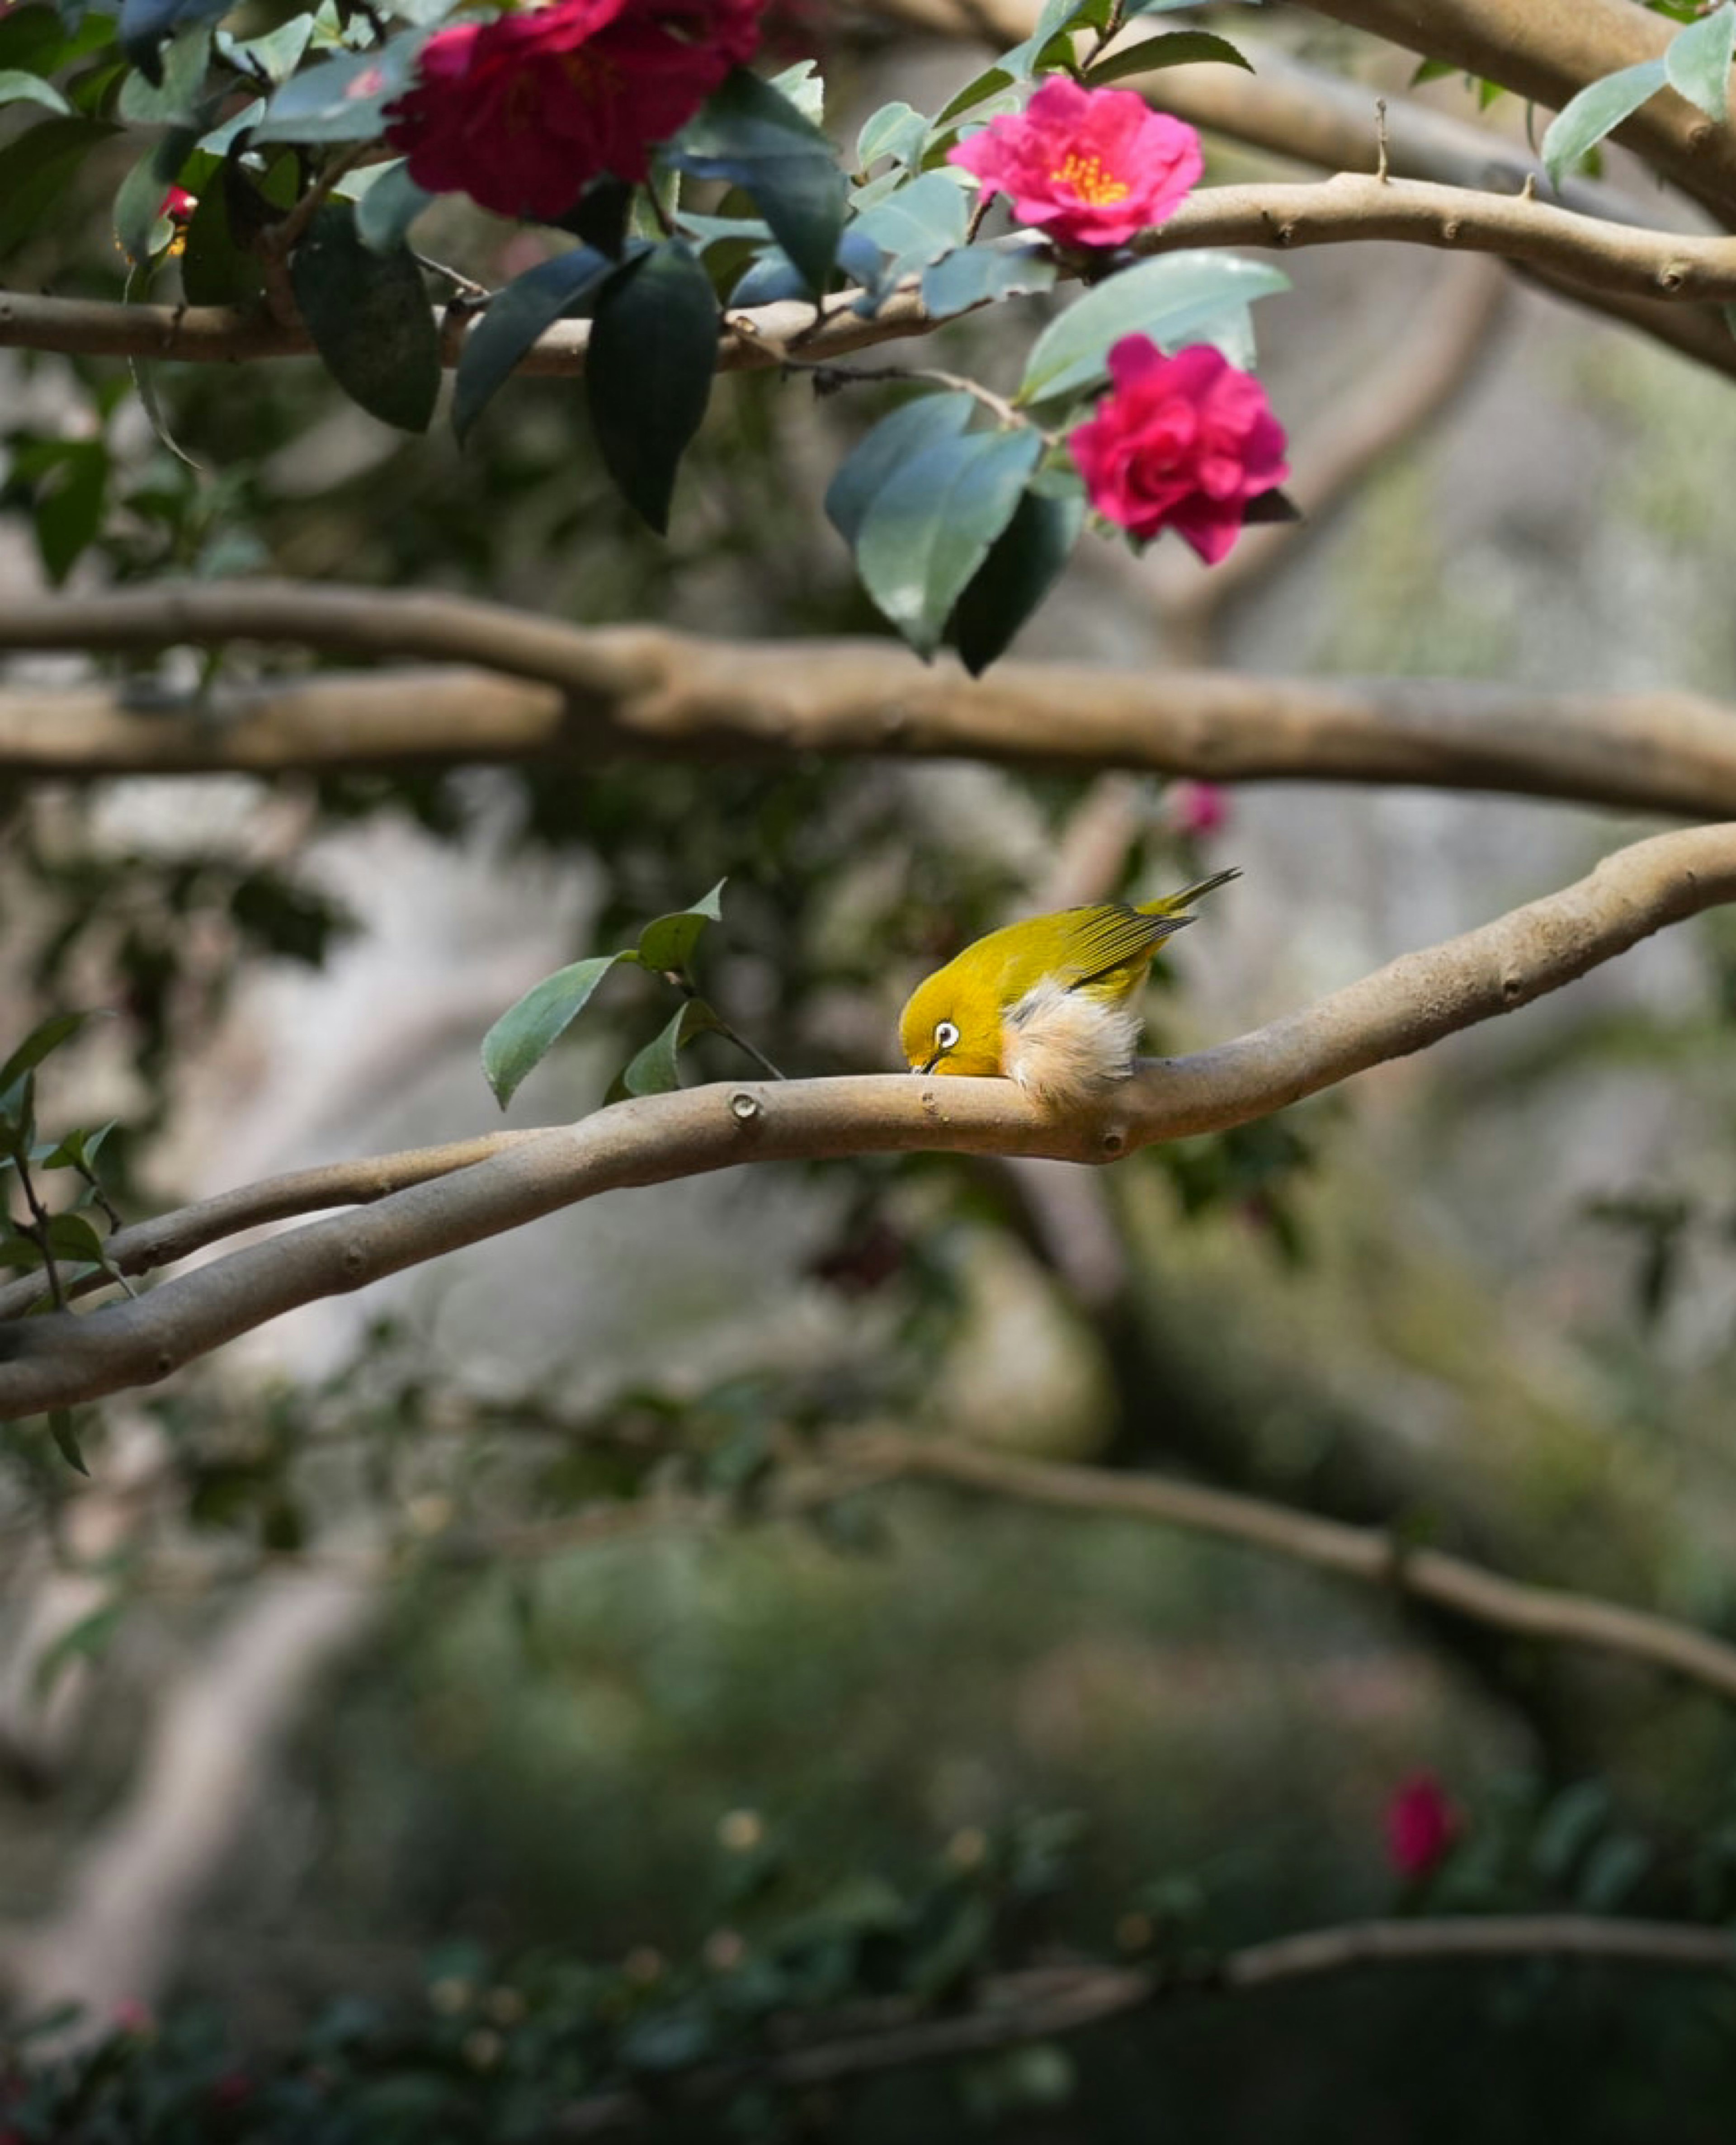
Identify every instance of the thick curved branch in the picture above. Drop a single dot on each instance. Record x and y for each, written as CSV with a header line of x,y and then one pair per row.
x,y
1044,2004
1626,260
56,1361
593,695
1363,1553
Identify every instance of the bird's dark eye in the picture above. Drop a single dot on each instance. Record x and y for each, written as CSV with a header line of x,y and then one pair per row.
x,y
945,1036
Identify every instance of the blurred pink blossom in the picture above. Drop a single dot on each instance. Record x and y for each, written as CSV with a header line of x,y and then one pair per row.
x,y
1197,809
1422,1822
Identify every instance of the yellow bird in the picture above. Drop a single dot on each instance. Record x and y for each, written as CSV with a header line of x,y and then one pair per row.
x,y
1047,1002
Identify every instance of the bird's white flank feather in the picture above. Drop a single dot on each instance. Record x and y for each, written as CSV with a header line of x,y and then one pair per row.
x,y
1066,1048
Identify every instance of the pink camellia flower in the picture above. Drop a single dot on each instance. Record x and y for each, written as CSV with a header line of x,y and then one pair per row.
x,y
1089,167
1197,809
1182,443
1421,1824
520,113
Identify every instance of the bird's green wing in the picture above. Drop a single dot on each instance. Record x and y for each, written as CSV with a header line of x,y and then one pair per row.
x,y
1107,936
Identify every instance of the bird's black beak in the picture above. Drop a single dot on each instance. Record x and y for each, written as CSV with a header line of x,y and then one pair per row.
x,y
922,1072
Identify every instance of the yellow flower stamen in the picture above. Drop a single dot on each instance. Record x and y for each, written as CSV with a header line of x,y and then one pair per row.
x,y
1089,180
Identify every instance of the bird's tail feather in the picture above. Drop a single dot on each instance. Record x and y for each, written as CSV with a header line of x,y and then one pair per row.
x,y
1172,904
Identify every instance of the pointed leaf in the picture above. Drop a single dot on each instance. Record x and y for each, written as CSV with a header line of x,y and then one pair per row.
x,y
46,1036
343,100
656,1070
36,169
174,99
759,141
895,440
648,373
1697,62
516,317
145,23
924,219
1055,17
17,87
370,319
1178,298
975,275
523,1035
1598,109
667,945
66,1439
1174,49
897,130
1022,566
929,529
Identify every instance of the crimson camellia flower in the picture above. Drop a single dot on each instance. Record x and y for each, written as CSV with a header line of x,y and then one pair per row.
x,y
1089,167
1421,1824
520,113
1182,443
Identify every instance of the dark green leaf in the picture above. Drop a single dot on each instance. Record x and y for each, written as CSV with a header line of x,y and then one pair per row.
x,y
929,529
46,1036
75,1236
1022,566
523,1035
1174,49
370,319
78,1150
217,268
516,316
1598,109
915,426
648,370
1697,62
990,83
66,1443
1271,507
145,23
666,946
37,167
601,216
757,139
68,507
656,1071
1175,299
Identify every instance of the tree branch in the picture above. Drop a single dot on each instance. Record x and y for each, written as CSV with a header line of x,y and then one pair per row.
x,y
1048,2004
1368,1554
62,1358
593,695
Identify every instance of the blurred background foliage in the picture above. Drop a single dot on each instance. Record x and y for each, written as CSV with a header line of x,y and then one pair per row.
x,y
618,1758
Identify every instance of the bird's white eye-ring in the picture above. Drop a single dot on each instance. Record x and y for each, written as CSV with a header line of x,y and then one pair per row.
x,y
945,1036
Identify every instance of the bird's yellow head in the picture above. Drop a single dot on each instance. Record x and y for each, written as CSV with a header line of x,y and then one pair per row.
x,y
952,1022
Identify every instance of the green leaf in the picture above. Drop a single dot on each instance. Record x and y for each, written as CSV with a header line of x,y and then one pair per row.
x,y
140,228
68,507
144,25
914,426
75,1236
1173,49
392,204
175,98
216,269
989,83
343,100
1022,566
929,527
45,1037
648,373
1598,109
66,1443
897,130
17,87
1697,62
656,1070
757,140
976,274
1056,16
916,225
78,1150
667,945
516,316
523,1035
1175,299
801,84
36,169
370,319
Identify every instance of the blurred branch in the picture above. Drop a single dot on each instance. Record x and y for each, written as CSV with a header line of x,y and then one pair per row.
x,y
643,690
61,1358
1045,2004
1546,50
1369,1554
